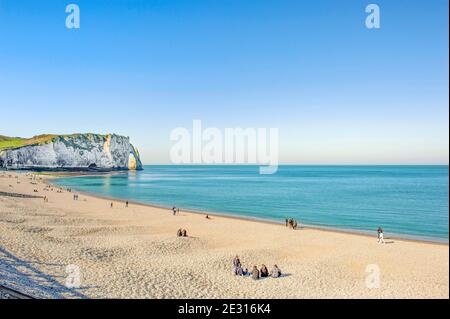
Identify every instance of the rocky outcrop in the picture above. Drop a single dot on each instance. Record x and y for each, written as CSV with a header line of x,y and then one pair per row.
x,y
74,152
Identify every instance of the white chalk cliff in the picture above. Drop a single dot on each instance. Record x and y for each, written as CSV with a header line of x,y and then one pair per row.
x,y
74,152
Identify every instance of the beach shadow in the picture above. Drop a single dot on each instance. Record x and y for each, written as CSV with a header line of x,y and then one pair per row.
x,y
15,272
269,277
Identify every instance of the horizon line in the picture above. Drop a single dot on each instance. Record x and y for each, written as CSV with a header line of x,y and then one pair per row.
x,y
300,164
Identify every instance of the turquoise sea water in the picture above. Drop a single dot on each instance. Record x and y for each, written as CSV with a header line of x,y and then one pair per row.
x,y
411,201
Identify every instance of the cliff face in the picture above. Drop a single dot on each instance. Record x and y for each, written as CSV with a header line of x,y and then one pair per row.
x,y
74,152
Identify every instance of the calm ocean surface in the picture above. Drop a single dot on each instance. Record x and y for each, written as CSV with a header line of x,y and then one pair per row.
x,y
411,201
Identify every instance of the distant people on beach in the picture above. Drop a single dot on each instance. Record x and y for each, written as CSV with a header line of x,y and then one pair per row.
x,y
181,233
207,216
239,270
174,210
75,196
236,262
264,272
380,235
111,205
237,267
255,273
126,204
275,272
292,223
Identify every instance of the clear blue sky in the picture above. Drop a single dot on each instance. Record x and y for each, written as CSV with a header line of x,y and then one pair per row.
x,y
337,91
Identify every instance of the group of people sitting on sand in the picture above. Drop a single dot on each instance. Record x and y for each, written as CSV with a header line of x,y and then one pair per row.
x,y
256,274
181,233
291,223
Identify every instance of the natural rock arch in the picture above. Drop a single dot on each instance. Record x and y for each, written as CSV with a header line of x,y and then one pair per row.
x,y
132,163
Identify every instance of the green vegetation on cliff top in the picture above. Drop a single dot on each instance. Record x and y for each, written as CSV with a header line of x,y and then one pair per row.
x,y
7,142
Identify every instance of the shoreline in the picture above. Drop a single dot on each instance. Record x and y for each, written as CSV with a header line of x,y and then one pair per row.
x,y
364,233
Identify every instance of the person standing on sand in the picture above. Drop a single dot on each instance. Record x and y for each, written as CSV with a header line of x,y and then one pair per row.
x,y
126,204
111,205
174,210
380,235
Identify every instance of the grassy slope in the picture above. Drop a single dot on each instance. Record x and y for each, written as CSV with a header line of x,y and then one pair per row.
x,y
15,142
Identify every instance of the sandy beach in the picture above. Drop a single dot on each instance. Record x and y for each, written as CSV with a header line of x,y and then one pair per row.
x,y
133,252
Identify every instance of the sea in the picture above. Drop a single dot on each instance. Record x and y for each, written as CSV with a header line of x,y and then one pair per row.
x,y
406,201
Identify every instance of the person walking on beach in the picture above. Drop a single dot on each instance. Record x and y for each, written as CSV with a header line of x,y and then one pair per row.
x,y
380,235
174,210
126,204
111,205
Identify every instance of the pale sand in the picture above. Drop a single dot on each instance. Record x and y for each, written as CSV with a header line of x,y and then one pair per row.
x,y
134,253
